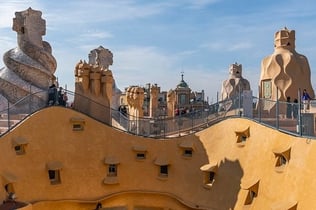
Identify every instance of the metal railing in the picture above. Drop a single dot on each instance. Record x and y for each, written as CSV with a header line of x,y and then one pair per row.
x,y
289,117
284,116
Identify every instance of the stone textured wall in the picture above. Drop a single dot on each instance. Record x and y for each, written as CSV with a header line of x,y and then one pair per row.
x,y
153,104
171,101
94,85
284,72
83,153
235,84
30,67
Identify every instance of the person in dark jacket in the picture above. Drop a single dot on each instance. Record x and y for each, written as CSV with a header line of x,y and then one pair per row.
x,y
52,92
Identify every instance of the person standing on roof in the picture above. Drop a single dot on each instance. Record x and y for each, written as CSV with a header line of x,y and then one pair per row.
x,y
305,98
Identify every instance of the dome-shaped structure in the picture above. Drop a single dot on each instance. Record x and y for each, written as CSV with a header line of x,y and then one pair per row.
x,y
182,83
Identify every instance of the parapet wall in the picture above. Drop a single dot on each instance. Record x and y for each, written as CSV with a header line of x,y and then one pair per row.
x,y
235,164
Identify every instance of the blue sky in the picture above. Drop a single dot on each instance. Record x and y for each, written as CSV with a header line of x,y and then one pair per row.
x,y
154,41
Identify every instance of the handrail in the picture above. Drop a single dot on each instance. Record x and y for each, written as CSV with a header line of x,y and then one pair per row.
x,y
164,127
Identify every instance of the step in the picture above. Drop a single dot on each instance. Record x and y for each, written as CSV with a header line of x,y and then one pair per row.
x,y
14,116
3,129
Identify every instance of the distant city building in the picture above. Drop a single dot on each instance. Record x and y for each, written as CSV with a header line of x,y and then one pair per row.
x,y
188,100
156,101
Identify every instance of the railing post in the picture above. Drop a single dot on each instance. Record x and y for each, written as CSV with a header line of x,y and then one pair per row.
x,y
299,113
239,102
179,124
192,120
137,122
259,109
8,105
30,100
207,114
179,121
164,126
277,108
217,103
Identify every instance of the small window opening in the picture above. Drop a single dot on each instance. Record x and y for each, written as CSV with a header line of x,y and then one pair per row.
x,y
282,157
242,136
22,30
9,188
77,127
19,149
164,170
252,192
288,44
98,206
281,161
187,152
209,172
250,197
140,155
77,123
211,176
112,170
54,176
187,148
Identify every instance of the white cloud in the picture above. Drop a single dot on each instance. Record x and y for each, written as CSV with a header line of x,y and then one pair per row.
x,y
187,53
142,57
96,34
7,42
197,4
239,46
80,12
228,47
142,65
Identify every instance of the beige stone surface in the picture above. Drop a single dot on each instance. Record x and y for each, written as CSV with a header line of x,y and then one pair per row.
x,y
284,70
153,103
94,85
235,84
135,101
171,101
82,154
30,67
